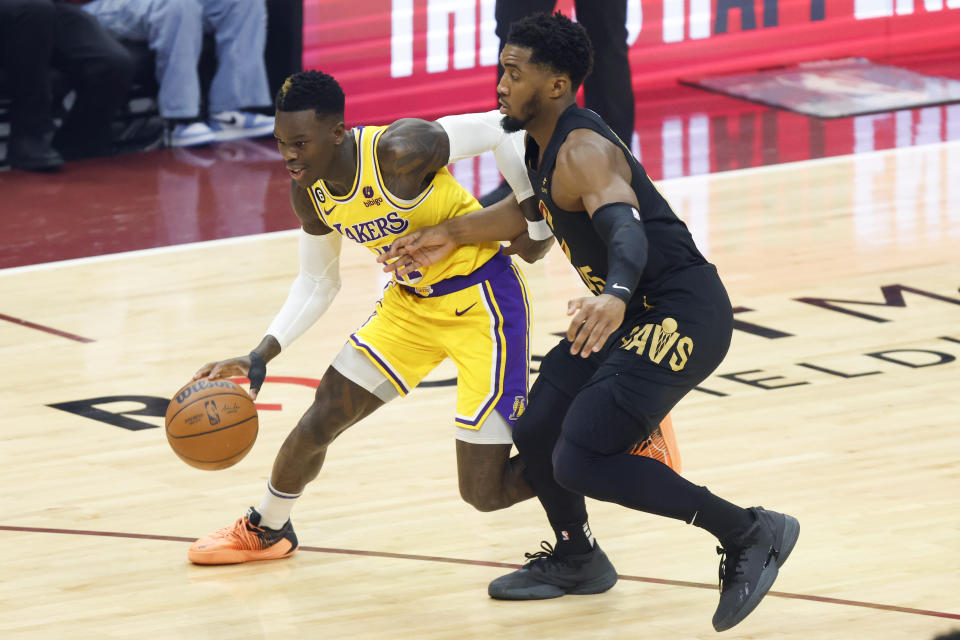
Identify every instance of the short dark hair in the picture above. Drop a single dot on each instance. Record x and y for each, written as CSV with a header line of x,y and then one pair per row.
x,y
557,42
314,90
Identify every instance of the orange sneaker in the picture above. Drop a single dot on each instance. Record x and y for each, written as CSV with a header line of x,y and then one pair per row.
x,y
661,445
244,541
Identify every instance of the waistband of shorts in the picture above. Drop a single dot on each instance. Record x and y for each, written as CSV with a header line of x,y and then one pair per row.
x,y
489,269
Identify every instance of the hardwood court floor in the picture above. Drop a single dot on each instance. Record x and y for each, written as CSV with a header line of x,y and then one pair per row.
x,y
837,403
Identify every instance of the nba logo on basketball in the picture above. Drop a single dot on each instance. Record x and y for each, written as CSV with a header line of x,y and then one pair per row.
x,y
212,414
519,406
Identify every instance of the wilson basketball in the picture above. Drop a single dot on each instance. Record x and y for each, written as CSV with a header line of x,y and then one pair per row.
x,y
211,424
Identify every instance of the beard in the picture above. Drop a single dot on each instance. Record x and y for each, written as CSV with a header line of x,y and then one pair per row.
x,y
512,125
531,108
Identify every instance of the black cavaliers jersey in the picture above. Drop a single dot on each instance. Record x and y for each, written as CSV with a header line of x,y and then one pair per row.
x,y
671,247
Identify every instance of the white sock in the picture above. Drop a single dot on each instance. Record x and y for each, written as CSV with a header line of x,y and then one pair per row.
x,y
275,507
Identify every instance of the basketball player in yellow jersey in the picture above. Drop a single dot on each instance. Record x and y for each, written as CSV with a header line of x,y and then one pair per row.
x,y
371,185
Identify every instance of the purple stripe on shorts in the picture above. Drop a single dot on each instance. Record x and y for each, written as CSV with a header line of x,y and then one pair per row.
x,y
386,367
512,354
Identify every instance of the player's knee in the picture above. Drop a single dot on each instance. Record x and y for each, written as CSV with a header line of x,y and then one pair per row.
x,y
570,466
482,500
317,427
483,496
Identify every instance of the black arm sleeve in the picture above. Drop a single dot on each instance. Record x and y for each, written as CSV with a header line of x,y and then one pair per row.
x,y
620,227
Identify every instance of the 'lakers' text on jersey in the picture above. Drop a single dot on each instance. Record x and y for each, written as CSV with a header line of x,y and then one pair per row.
x,y
372,216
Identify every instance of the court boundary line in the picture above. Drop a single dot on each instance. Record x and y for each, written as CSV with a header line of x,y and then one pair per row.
x,y
40,327
9,271
502,565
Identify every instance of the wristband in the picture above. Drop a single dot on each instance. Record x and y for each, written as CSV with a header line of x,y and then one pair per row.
x,y
258,371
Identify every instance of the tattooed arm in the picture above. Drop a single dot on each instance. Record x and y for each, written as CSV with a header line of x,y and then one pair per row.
x,y
409,152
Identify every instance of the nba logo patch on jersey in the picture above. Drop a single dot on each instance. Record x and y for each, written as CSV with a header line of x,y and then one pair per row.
x,y
519,406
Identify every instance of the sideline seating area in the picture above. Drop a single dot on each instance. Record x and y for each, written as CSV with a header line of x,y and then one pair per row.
x,y
138,126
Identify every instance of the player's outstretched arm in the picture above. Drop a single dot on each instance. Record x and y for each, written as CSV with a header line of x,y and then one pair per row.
x,y
502,221
592,174
310,295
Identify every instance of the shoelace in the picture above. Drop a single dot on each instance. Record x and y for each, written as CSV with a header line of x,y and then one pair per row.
x,y
546,554
729,571
243,531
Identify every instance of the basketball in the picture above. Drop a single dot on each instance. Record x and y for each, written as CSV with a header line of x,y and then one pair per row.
x,y
211,424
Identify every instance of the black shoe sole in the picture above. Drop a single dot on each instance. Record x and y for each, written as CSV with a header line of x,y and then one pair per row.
x,y
597,585
791,531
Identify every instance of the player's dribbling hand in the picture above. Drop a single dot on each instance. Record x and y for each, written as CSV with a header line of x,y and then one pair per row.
x,y
416,250
234,367
594,319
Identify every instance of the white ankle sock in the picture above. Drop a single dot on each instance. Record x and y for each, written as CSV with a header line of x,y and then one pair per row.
x,y
275,507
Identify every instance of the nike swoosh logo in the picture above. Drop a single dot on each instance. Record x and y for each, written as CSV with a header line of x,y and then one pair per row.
x,y
617,286
460,313
327,212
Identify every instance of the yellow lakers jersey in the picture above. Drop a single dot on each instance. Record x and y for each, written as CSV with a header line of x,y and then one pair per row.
x,y
372,216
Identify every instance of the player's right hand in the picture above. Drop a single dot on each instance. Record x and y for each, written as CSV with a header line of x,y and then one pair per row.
x,y
234,367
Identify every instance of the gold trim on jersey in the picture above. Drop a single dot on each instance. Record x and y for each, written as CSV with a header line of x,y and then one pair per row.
x,y
358,138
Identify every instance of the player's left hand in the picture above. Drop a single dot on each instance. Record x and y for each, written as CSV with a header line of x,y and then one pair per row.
x,y
594,319
416,250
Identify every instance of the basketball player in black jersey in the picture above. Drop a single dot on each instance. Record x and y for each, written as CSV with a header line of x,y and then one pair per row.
x,y
658,323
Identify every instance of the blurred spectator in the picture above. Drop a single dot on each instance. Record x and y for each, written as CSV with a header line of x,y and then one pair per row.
x,y
608,90
173,29
36,36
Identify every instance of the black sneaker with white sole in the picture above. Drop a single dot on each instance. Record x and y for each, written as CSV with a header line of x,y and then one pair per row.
x,y
750,562
548,575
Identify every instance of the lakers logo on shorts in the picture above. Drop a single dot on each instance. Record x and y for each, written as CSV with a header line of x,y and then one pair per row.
x,y
519,406
662,339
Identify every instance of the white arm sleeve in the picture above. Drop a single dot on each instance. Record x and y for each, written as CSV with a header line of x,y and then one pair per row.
x,y
471,134
313,289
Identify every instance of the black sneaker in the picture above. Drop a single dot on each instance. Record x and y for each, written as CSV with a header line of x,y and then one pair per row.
x,y
548,575
750,562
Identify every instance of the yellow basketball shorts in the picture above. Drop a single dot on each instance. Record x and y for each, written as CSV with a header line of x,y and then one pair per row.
x,y
481,321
